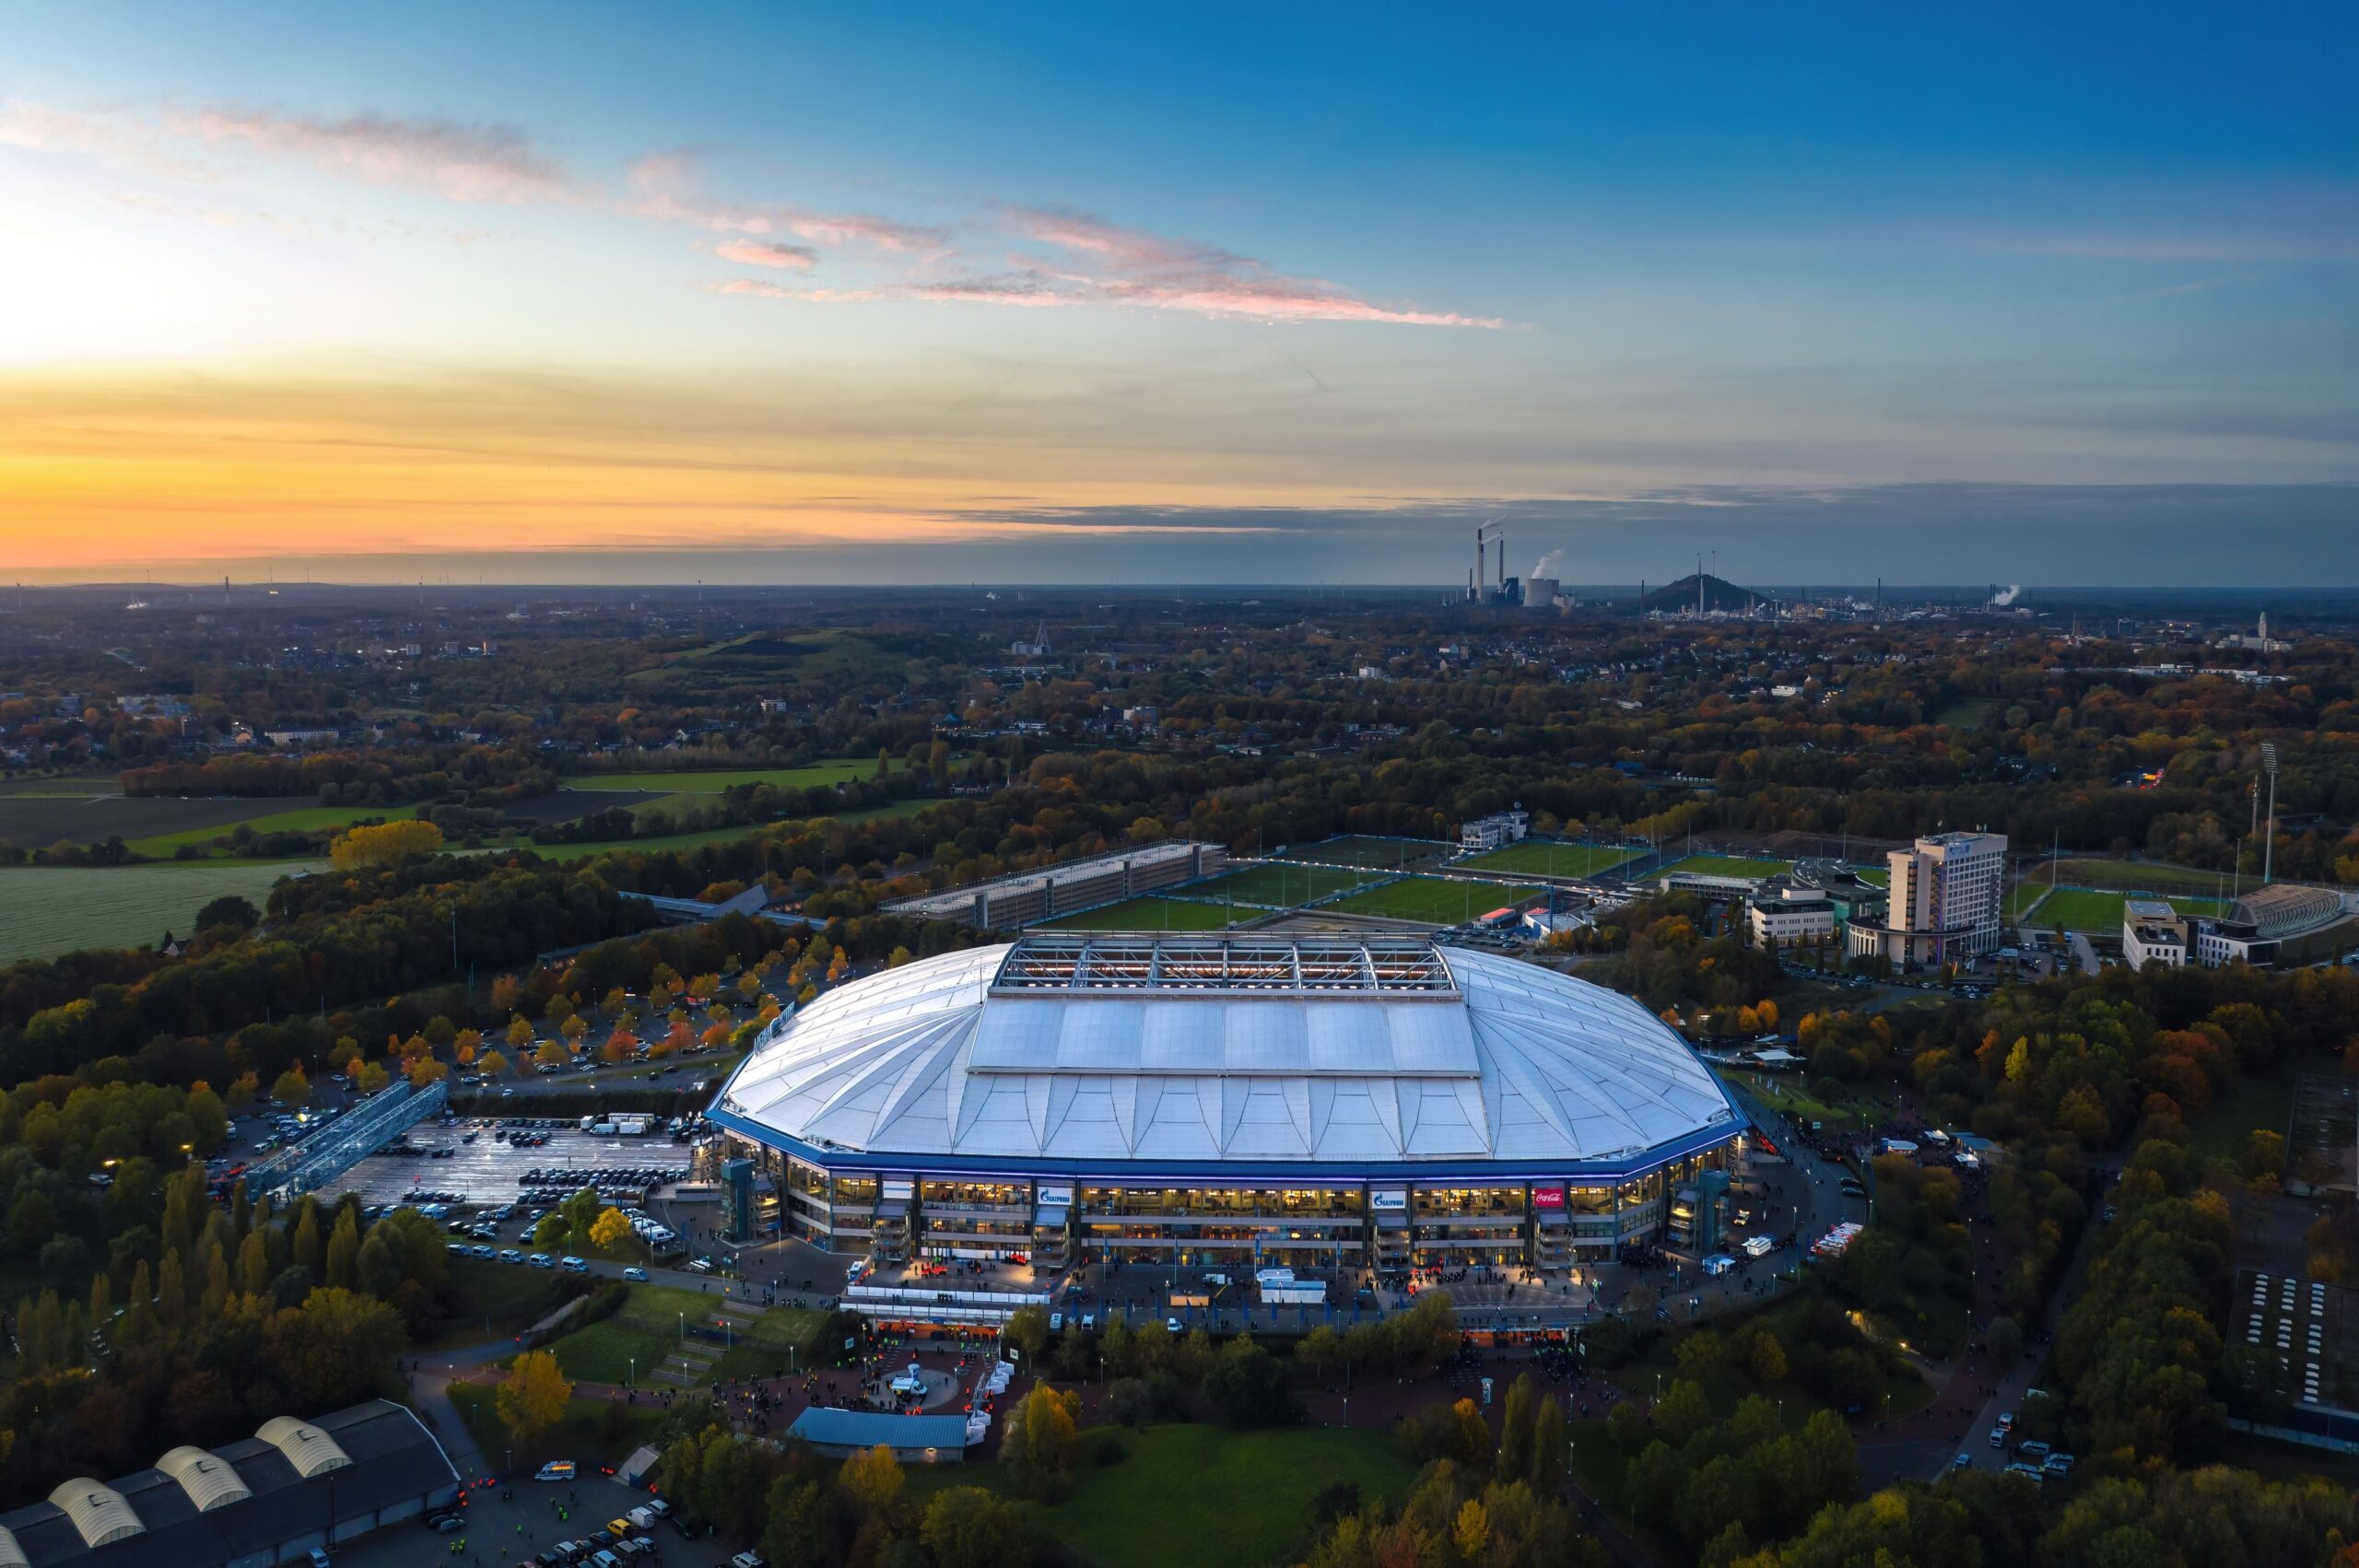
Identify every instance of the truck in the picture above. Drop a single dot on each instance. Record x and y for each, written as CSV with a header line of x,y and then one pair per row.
x,y
632,1126
587,1122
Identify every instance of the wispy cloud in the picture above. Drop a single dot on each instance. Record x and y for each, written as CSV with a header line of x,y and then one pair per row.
x,y
460,162
767,253
862,229
2223,243
1108,265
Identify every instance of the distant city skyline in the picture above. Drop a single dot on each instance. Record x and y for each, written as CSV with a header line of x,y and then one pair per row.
x,y
1051,294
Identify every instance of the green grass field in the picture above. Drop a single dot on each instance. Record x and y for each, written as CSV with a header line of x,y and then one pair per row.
x,y
301,819
762,1350
1725,865
2127,876
1276,886
1436,901
1149,915
612,1351
689,781
1874,876
1531,858
1188,1494
46,910
1971,713
2078,909
1384,854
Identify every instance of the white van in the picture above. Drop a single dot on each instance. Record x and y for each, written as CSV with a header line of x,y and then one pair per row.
x,y
555,1470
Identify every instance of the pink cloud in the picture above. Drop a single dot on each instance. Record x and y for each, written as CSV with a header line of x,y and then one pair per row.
x,y
862,229
460,162
766,254
755,288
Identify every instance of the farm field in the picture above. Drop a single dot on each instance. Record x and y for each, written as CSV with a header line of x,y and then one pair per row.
x,y
1435,900
1534,858
39,821
1148,914
46,910
690,781
58,789
1354,850
2127,876
301,819
2078,909
1725,865
1275,886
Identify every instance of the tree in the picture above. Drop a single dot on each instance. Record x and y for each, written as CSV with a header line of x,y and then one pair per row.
x,y
873,1480
425,1071
371,1077
2005,1337
494,1065
520,1033
344,1251
548,1053
291,1088
1027,1330
533,1396
1514,1462
609,1230
1039,1448
620,1047
1551,1448
1247,1385
388,844
968,1527
229,912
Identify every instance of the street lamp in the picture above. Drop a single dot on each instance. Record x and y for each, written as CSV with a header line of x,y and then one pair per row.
x,y
2269,845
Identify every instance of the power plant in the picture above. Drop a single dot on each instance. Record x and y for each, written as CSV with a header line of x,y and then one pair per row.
x,y
1538,592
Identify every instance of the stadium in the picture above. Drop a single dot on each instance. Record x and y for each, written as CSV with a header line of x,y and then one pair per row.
x,y
1326,1101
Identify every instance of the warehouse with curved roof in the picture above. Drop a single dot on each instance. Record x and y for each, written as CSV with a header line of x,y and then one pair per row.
x,y
1345,1099
261,1501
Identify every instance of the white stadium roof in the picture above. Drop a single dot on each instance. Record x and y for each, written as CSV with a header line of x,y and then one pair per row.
x,y
1072,1052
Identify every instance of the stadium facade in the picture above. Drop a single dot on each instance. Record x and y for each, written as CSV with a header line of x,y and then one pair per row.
x,y
1327,1102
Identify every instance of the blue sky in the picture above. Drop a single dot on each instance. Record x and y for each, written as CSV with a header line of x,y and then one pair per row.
x,y
846,291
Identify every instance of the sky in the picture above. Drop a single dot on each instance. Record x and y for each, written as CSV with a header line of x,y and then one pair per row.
x,y
2051,294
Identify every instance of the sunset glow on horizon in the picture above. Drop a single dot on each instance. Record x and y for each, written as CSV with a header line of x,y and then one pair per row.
x,y
416,287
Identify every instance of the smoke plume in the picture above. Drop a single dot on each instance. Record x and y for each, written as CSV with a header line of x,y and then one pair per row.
x,y
1548,563
2006,596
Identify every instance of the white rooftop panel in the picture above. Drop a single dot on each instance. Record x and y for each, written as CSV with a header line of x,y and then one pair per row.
x,y
1208,1048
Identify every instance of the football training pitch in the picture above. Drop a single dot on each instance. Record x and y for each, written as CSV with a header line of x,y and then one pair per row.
x,y
1355,850
1532,858
1277,887
1436,901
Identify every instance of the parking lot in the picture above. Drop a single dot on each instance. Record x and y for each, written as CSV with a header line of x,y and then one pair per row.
x,y
534,1518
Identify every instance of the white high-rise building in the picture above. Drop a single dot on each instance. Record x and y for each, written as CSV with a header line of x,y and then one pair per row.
x,y
1947,903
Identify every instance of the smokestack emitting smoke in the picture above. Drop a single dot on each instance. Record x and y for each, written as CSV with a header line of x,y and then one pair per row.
x,y
1548,563
2008,597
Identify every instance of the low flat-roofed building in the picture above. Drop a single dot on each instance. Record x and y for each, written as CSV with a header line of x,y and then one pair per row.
x,y
2280,924
252,1504
2153,932
924,1440
1010,903
1789,915
1494,831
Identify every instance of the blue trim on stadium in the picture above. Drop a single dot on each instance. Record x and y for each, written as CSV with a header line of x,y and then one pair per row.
x,y
1242,1173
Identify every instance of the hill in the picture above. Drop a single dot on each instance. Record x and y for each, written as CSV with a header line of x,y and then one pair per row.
x,y
1718,594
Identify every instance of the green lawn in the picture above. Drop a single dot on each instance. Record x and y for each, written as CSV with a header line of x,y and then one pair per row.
x,y
1188,1495
612,1351
1434,900
689,781
1149,915
762,1350
301,819
1275,886
1532,858
1842,1108
1971,713
2078,909
1355,850
46,910
2127,876
2023,898
1874,876
1725,865
494,1299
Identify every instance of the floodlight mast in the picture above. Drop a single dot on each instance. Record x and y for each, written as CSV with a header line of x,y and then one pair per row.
x,y
2269,845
